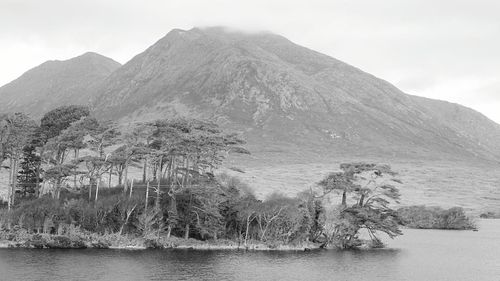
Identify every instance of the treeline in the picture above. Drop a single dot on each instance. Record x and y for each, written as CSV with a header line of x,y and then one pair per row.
x,y
46,158
57,168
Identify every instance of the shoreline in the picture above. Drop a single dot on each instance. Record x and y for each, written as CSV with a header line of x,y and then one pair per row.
x,y
127,243
10,245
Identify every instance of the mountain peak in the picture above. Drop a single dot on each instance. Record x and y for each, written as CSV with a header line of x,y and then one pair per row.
x,y
95,58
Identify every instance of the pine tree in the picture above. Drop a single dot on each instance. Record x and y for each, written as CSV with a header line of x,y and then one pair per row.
x,y
28,178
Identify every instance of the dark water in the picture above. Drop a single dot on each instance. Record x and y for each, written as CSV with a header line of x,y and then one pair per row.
x,y
418,255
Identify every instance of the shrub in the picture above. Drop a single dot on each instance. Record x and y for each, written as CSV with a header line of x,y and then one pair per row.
x,y
42,214
435,218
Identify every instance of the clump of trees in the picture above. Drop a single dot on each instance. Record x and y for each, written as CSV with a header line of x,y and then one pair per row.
x,y
435,218
367,191
58,169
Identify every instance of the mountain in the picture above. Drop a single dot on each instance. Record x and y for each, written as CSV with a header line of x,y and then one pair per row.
x,y
56,83
287,99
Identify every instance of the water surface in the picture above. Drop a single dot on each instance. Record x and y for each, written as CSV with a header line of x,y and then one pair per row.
x,y
417,255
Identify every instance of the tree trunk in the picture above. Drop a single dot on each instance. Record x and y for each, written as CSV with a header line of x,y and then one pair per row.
x,y
37,181
97,188
14,180
147,195
158,180
186,234
119,172
164,172
154,170
110,173
144,169
42,190
246,231
131,188
129,212
90,189
361,200
172,214
39,171
169,231
125,177
74,177
186,173
170,168
56,189
9,195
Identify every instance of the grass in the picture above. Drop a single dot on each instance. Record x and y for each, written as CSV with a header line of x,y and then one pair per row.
x,y
472,186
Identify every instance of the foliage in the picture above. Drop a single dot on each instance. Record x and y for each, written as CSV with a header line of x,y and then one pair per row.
x,y
39,215
59,119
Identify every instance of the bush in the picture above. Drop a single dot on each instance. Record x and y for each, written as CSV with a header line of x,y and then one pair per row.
x,y
489,215
42,214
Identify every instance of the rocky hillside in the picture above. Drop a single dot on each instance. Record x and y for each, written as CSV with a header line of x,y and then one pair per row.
x,y
56,83
287,99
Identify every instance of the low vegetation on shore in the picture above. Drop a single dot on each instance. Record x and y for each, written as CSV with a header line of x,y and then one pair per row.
x,y
57,200
435,218
490,215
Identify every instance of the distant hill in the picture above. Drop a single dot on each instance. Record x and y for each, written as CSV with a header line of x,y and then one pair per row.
x,y
56,83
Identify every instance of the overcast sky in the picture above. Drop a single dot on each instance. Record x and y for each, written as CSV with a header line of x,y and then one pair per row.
x,y
443,49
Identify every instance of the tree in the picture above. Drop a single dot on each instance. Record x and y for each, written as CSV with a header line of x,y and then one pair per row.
x,y
59,119
185,151
55,154
373,189
269,211
101,136
133,149
338,181
17,130
63,130
29,176
57,175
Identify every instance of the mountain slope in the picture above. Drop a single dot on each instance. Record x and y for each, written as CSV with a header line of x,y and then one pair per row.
x,y
288,98
56,83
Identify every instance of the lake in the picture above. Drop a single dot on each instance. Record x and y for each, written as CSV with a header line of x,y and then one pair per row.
x,y
417,255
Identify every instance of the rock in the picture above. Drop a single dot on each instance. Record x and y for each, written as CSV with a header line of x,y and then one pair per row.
x,y
59,242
